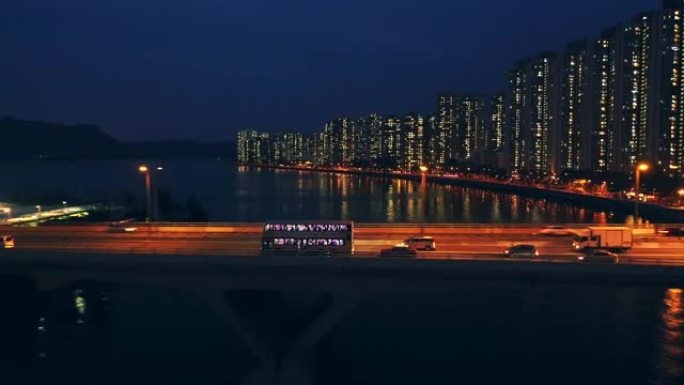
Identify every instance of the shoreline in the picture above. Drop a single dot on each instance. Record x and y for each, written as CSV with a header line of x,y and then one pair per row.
x,y
663,213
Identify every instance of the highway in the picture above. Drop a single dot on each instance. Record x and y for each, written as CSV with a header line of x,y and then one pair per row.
x,y
463,243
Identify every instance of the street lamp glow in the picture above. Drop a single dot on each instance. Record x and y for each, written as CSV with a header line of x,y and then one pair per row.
x,y
643,167
423,169
681,192
143,168
160,168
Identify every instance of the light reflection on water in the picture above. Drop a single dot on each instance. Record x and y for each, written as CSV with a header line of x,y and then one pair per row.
x,y
670,358
230,193
374,199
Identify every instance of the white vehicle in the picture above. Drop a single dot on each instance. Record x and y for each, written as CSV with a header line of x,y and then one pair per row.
x,y
6,242
421,243
308,237
612,238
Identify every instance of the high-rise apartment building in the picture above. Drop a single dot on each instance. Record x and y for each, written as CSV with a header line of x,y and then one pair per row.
x,y
541,129
470,124
392,139
369,147
495,134
671,78
533,116
608,86
446,127
412,142
577,106
516,101
638,131
431,141
254,147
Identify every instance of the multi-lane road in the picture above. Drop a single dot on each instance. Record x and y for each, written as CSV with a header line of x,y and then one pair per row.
x,y
478,242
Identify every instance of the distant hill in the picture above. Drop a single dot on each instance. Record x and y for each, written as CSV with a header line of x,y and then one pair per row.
x,y
26,139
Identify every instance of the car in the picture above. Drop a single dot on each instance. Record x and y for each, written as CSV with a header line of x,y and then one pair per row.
x,y
398,251
123,229
598,256
522,251
557,231
421,243
6,241
672,231
125,226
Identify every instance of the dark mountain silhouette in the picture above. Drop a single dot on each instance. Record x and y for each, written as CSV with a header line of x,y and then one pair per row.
x,y
26,139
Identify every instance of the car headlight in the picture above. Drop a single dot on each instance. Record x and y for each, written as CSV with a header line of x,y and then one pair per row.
x,y
506,252
581,258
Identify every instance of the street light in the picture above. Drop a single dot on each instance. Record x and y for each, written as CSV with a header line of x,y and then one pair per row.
x,y
39,209
638,169
148,193
680,192
150,203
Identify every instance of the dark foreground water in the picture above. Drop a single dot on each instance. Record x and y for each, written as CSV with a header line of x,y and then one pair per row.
x,y
230,193
480,333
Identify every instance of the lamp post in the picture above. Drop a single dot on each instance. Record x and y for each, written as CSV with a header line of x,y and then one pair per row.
x,y
638,169
680,193
148,191
151,208
423,194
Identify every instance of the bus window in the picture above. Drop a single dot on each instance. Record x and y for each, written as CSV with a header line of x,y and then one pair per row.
x,y
308,237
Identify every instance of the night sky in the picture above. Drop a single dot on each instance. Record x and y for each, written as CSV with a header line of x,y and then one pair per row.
x,y
203,69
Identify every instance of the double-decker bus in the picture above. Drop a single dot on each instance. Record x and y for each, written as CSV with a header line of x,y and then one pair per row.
x,y
308,237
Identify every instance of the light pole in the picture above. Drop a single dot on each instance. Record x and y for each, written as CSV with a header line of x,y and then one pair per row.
x,y
638,169
680,192
151,209
148,191
423,194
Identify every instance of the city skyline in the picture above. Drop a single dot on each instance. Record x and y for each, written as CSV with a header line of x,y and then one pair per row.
x,y
602,104
206,71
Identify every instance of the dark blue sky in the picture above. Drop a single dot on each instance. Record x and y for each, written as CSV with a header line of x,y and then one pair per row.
x,y
157,69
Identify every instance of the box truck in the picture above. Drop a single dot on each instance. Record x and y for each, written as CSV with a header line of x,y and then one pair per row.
x,y
613,238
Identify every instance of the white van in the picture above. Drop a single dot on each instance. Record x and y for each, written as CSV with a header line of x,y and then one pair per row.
x,y
421,243
6,242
